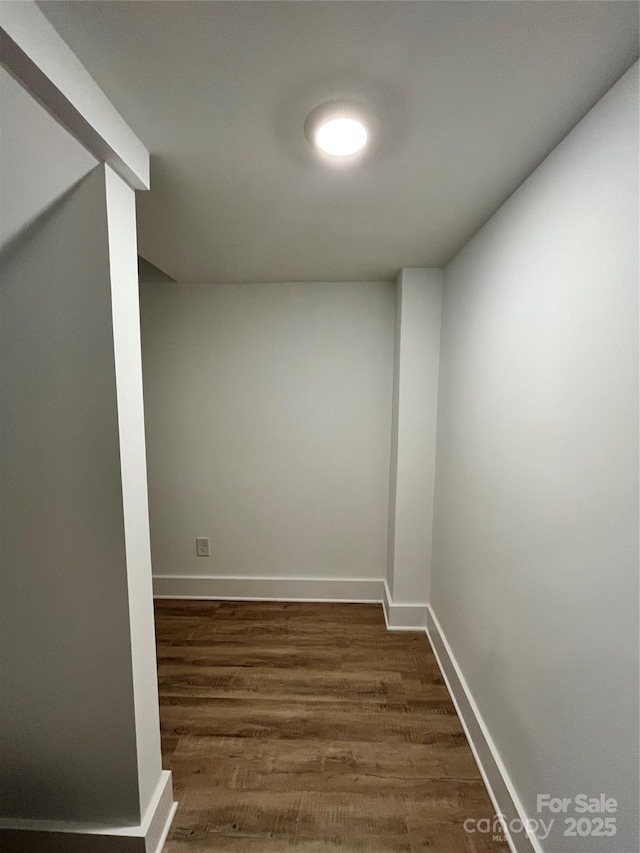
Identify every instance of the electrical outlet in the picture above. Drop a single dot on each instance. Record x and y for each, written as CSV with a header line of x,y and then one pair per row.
x,y
202,546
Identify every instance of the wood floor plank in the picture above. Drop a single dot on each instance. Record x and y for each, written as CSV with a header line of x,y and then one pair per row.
x,y
310,728
242,844
225,654
294,682
206,814
439,837
279,720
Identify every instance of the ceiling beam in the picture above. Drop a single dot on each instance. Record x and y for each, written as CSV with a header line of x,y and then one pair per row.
x,y
32,50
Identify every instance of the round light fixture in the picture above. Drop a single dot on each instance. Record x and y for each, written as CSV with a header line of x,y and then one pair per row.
x,y
339,129
341,137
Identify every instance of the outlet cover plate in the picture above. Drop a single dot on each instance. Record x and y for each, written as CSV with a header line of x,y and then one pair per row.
x,y
202,546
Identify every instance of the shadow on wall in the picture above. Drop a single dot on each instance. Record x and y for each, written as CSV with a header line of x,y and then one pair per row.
x,y
21,237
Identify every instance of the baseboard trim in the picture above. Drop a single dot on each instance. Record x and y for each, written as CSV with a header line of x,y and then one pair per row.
x,y
36,836
504,797
347,590
167,828
159,815
402,617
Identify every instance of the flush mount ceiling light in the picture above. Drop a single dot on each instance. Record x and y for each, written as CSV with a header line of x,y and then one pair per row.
x,y
339,129
341,137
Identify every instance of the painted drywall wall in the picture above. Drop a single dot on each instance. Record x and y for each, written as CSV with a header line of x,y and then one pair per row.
x,y
40,159
64,626
535,558
79,728
415,398
55,339
268,417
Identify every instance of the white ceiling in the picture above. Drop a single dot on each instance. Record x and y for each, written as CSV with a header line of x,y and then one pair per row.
x,y
470,97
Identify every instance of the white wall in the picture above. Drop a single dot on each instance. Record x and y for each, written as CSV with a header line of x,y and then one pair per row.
x,y
79,729
41,161
535,560
413,438
52,337
66,650
268,412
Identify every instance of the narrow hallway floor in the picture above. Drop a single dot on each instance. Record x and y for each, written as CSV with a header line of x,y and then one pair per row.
x,y
309,728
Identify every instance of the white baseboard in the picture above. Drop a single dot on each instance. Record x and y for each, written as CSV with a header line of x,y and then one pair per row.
x,y
503,795
167,827
38,836
160,812
363,590
403,617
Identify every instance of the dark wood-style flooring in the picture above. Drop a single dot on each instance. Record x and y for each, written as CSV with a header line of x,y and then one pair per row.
x,y
310,728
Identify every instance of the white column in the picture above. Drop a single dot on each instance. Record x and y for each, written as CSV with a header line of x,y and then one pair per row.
x,y
413,442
